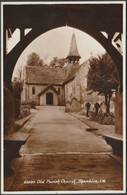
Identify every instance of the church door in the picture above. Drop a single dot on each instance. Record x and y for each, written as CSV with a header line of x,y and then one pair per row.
x,y
49,98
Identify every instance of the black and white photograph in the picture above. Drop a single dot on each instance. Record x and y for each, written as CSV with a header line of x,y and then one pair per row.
x,y
63,80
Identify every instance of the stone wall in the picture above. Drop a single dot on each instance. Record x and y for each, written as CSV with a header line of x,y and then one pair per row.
x,y
77,89
68,91
80,82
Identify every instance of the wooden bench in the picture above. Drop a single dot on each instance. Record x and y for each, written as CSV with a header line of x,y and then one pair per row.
x,y
116,142
12,145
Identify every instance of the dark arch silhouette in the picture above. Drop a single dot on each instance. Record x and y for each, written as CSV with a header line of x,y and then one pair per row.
x,y
49,98
19,48
80,17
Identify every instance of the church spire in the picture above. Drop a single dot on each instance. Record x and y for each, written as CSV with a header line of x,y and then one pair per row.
x,y
73,53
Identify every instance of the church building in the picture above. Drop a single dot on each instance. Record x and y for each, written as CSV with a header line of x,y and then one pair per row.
x,y
44,85
60,86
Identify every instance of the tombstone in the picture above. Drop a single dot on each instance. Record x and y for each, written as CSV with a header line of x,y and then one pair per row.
x,y
75,105
103,107
68,106
8,112
112,107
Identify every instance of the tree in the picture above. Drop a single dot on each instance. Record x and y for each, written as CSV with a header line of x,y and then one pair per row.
x,y
17,89
17,83
102,77
34,60
58,62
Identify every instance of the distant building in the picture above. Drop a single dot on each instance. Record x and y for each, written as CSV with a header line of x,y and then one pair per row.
x,y
61,86
43,85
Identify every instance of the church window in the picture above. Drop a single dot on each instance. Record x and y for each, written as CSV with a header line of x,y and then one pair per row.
x,y
33,90
58,91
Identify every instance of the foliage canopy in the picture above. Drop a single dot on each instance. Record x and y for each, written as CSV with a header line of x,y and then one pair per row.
x,y
34,60
102,77
58,62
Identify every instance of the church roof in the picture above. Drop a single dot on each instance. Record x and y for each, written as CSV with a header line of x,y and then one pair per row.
x,y
55,76
73,47
50,86
45,75
72,73
74,69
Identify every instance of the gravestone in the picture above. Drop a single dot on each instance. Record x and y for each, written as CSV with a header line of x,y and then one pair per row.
x,y
112,107
103,106
68,106
75,105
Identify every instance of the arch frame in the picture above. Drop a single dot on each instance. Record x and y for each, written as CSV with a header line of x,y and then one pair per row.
x,y
62,15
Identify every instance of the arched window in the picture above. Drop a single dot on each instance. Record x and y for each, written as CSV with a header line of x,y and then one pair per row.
x,y
58,91
33,90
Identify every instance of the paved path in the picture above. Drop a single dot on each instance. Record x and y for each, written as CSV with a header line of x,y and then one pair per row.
x,y
53,131
61,155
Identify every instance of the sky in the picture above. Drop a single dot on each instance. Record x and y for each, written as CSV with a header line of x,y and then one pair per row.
x,y
56,43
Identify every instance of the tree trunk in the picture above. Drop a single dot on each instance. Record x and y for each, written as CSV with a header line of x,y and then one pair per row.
x,y
96,111
108,107
107,101
87,113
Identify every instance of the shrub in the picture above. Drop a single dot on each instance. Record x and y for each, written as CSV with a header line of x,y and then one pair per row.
x,y
24,111
103,118
33,104
24,103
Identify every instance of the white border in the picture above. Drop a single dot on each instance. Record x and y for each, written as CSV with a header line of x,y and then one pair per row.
x,y
124,96
64,2
2,107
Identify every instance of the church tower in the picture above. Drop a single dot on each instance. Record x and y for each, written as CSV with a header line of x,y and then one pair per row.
x,y
73,55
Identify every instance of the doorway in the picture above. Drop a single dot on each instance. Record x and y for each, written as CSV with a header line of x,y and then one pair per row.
x,y
49,98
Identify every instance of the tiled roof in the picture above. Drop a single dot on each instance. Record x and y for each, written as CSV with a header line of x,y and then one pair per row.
x,y
72,73
44,75
48,87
